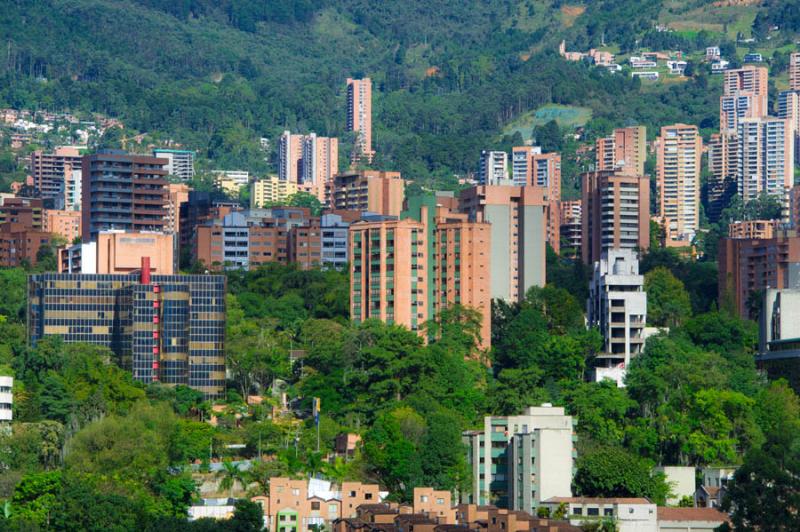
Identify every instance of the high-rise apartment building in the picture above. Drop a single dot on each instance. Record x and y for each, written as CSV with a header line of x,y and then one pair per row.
x,y
570,222
779,335
794,71
789,109
617,305
180,163
723,164
177,195
521,165
747,266
765,158
290,157
625,151
269,190
123,191
615,213
531,167
162,328
50,172
407,271
334,240
368,190
744,96
359,117
519,461
319,164
679,150
493,168
518,235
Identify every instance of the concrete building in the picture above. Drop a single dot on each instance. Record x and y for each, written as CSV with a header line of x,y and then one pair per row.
x,y
123,191
66,224
368,190
6,398
319,164
118,252
759,229
334,241
690,519
789,109
617,305
493,168
723,164
359,118
794,71
749,78
748,266
625,151
434,504
180,163
616,213
200,209
290,157
679,150
178,194
20,245
779,335
26,212
163,328
51,171
570,222
270,190
744,96
520,461
521,165
518,234
231,181
631,514
765,158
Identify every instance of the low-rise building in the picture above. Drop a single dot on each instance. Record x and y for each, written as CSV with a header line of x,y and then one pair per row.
x,y
270,190
6,398
120,252
681,480
231,181
631,514
66,224
368,190
690,519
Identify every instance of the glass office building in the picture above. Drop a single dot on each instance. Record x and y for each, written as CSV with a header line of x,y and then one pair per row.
x,y
162,328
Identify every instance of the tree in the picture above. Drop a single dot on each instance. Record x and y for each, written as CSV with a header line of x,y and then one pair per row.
x,y
35,498
668,302
247,517
304,199
614,472
230,475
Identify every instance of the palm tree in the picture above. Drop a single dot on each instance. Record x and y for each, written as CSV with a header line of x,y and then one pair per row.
x,y
230,475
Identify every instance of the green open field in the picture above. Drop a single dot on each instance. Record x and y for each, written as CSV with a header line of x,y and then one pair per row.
x,y
565,115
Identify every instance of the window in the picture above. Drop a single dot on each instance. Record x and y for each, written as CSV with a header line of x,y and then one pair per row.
x,y
593,511
440,501
608,512
314,505
577,511
423,498
368,496
333,509
352,493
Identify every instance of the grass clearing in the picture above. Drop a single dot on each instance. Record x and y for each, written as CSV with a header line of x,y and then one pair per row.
x,y
565,115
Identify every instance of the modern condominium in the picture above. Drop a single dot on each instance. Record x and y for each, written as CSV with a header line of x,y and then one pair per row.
x,y
123,191
617,305
51,171
519,461
320,162
723,164
518,235
493,168
180,163
744,96
789,109
531,167
765,158
625,150
359,117
570,222
616,213
268,190
368,190
162,328
794,71
779,335
679,150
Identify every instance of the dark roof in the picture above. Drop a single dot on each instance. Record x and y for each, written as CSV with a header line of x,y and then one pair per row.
x,y
376,508
414,519
691,514
598,500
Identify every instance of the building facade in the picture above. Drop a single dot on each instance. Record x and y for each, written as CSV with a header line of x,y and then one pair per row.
x,y
617,306
270,190
518,235
723,164
359,117
765,158
51,171
368,190
615,213
120,253
319,164
231,182
744,96
794,71
625,151
66,224
493,168
748,266
123,191
180,163
519,461
162,328
779,335
6,398
570,222
679,150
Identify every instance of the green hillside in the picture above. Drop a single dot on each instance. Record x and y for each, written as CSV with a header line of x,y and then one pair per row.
x,y
449,76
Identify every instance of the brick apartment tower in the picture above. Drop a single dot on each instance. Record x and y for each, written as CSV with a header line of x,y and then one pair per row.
x,y
123,191
794,71
615,213
359,117
52,171
368,190
624,150
542,170
765,158
679,150
744,96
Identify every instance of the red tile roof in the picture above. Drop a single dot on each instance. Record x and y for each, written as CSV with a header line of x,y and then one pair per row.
x,y
691,514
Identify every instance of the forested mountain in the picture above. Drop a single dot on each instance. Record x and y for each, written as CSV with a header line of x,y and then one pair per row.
x,y
215,76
